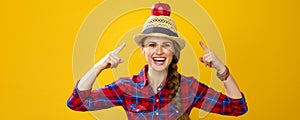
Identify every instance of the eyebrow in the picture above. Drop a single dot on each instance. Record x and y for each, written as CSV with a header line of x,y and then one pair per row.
x,y
168,42
156,42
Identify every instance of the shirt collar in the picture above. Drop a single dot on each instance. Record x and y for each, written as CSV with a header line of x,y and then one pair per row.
x,y
142,80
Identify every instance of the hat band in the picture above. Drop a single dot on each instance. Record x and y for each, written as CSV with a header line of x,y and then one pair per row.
x,y
160,30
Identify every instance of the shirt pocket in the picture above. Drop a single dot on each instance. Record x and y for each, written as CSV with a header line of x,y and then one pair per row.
x,y
137,105
137,108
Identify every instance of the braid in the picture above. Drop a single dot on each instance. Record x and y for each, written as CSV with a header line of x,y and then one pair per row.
x,y
174,77
174,84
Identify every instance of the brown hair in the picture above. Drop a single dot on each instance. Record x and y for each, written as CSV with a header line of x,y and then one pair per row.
x,y
174,84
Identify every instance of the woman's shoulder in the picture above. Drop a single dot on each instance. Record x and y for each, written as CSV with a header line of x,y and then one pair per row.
x,y
123,83
190,80
124,80
128,81
187,78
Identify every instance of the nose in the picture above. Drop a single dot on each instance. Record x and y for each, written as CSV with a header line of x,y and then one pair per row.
x,y
159,50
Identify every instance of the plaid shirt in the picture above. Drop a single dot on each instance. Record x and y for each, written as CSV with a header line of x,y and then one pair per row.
x,y
136,96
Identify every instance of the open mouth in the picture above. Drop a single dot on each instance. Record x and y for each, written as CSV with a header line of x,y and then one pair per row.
x,y
159,60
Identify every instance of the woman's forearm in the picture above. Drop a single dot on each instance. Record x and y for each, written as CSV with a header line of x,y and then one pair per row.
x,y
87,81
231,88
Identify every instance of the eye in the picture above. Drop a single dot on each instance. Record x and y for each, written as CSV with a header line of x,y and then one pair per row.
x,y
151,45
166,45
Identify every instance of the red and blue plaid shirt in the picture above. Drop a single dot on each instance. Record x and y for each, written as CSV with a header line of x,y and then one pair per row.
x,y
136,96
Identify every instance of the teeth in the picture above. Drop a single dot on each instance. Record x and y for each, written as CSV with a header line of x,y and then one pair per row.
x,y
159,58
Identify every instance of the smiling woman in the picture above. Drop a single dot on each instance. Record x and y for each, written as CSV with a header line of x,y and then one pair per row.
x,y
158,52
158,91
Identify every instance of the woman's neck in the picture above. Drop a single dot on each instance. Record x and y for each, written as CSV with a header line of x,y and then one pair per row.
x,y
156,77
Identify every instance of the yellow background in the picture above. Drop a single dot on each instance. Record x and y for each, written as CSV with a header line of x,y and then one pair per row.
x,y
261,39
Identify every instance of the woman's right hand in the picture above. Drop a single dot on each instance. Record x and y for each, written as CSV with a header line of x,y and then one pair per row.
x,y
110,60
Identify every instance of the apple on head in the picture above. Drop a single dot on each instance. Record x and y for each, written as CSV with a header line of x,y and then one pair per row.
x,y
161,9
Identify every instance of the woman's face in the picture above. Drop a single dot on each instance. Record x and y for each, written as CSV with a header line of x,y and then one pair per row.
x,y
158,52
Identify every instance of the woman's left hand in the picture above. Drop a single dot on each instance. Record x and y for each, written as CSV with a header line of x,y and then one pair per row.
x,y
211,60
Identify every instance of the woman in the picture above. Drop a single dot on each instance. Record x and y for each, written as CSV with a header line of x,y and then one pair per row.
x,y
158,91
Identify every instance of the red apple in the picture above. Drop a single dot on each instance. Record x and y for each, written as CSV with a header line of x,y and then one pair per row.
x,y
161,9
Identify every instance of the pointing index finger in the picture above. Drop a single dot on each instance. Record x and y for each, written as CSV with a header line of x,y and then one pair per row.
x,y
116,51
204,47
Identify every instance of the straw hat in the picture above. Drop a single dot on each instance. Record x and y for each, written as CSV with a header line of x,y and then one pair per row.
x,y
161,26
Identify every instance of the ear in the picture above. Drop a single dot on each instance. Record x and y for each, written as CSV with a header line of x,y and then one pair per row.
x,y
142,49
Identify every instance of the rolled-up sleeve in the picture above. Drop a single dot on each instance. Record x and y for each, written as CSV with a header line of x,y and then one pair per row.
x,y
89,100
212,101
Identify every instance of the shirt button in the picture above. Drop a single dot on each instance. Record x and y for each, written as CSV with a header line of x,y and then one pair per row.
x,y
157,100
159,89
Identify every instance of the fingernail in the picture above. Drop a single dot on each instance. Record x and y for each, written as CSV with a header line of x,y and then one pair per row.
x,y
201,59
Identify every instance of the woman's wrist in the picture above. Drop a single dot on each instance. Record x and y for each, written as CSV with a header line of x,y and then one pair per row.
x,y
221,69
223,73
98,69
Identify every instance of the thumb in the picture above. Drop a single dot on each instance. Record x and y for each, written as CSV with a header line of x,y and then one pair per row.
x,y
121,60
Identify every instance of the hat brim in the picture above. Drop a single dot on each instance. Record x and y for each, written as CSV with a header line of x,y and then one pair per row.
x,y
139,37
